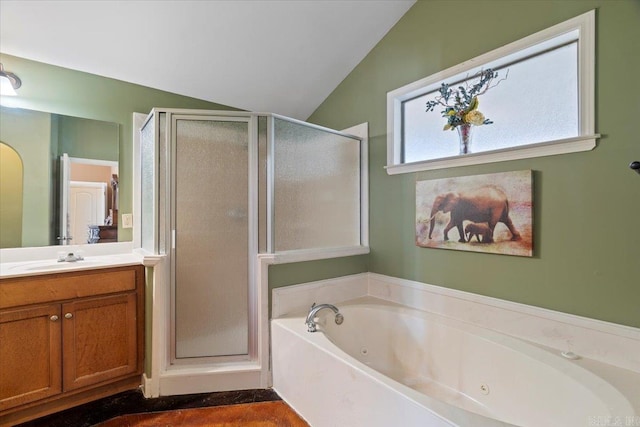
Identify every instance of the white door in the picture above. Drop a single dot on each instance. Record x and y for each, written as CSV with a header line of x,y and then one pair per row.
x,y
87,206
64,199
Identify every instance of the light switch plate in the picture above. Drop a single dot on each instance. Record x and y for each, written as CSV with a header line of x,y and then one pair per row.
x,y
127,220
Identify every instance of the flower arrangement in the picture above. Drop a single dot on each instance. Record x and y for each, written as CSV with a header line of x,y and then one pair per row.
x,y
461,104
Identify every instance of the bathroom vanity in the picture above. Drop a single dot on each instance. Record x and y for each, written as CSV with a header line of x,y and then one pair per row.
x,y
69,337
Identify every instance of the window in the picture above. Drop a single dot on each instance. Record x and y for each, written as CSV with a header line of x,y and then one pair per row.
x,y
542,104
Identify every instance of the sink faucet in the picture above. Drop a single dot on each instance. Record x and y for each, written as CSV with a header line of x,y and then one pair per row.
x,y
310,322
70,257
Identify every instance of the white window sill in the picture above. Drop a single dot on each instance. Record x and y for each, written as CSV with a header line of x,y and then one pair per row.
x,y
551,148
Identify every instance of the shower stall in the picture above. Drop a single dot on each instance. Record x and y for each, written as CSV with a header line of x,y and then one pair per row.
x,y
222,195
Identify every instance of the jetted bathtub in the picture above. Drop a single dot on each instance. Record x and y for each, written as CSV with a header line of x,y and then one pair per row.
x,y
388,365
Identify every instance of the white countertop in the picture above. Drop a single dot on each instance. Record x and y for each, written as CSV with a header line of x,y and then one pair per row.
x,y
48,266
38,261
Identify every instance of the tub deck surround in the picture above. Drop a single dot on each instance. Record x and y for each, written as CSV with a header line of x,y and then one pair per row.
x,y
464,376
355,371
612,344
298,298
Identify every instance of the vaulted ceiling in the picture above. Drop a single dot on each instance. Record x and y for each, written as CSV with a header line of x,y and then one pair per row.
x,y
282,56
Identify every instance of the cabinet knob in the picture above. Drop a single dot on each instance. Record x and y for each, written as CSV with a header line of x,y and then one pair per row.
x,y
68,316
54,318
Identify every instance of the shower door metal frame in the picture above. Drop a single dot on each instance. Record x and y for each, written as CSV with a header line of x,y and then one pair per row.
x,y
253,356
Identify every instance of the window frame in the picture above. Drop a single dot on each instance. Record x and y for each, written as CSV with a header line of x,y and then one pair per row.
x,y
580,28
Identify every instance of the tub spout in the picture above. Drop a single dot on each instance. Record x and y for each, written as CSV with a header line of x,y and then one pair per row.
x,y
311,324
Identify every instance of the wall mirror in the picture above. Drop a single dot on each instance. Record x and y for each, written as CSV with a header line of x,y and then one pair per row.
x,y
58,179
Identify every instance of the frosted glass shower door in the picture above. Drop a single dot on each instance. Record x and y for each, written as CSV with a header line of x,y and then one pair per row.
x,y
317,188
211,217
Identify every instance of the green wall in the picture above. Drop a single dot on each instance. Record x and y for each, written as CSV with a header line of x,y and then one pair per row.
x,y
74,93
29,134
587,250
308,271
88,139
11,175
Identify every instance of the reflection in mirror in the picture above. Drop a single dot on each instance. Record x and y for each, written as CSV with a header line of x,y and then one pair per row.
x,y
88,208
37,207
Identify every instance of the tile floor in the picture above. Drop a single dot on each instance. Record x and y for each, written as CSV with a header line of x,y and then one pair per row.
x,y
245,408
262,414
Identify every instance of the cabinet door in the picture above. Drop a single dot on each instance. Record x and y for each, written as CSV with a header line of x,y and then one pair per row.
x,y
99,339
30,350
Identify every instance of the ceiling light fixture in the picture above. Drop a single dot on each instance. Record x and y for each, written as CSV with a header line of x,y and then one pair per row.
x,y
9,82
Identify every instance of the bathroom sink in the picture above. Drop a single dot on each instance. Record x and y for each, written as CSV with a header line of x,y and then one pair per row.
x,y
62,265
52,265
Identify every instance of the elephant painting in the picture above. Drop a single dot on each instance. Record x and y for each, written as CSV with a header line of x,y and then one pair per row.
x,y
487,204
478,230
475,205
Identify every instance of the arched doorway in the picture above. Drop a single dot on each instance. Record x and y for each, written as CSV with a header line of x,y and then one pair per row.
x,y
11,182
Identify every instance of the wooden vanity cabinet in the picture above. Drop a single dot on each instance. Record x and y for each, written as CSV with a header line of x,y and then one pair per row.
x,y
30,348
69,338
99,340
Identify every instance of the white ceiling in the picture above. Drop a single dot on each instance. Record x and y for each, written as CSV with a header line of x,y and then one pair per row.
x,y
283,56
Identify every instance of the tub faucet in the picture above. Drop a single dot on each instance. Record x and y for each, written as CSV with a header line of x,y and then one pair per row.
x,y
311,324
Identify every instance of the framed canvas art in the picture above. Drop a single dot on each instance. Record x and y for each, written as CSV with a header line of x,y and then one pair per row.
x,y
483,213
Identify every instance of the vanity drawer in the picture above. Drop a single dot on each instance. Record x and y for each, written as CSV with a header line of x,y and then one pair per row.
x,y
56,287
